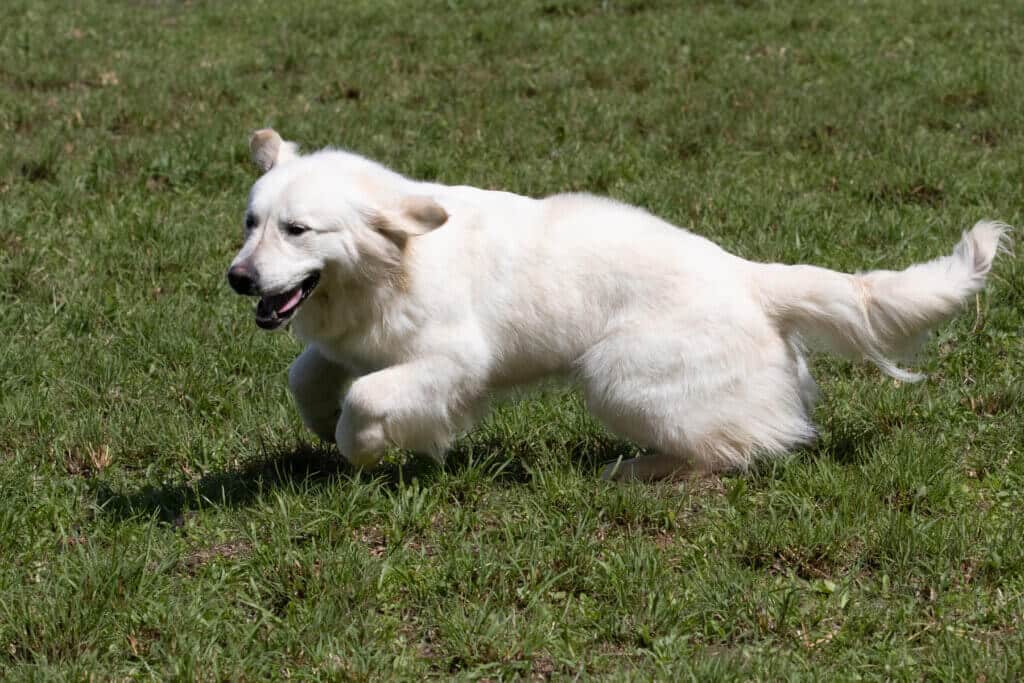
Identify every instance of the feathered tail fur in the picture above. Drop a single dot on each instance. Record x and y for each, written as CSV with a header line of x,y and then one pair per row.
x,y
881,314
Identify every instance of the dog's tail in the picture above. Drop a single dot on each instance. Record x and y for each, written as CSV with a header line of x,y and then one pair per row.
x,y
880,314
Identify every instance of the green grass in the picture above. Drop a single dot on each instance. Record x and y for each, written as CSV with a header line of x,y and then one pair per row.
x,y
163,514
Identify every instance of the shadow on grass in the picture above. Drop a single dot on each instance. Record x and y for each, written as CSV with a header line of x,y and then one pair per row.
x,y
844,444
312,467
308,466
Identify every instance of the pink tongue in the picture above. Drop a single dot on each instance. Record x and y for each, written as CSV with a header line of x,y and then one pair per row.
x,y
292,302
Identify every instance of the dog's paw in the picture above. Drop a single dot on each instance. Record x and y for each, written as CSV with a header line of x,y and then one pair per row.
x,y
617,470
362,446
648,468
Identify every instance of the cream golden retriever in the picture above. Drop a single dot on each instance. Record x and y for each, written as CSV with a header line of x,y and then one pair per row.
x,y
416,301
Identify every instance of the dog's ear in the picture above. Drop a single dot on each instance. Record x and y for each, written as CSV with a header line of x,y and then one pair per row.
x,y
269,150
415,215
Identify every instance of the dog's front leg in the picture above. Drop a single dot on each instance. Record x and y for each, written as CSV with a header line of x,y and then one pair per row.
x,y
419,406
316,384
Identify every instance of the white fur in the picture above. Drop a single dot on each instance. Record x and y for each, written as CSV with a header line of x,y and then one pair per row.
x,y
679,346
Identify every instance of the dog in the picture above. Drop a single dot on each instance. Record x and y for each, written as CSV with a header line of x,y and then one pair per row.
x,y
417,301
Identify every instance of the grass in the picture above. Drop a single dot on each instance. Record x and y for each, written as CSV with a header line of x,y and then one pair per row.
x,y
164,514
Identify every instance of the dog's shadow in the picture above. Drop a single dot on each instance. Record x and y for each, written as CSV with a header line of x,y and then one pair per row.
x,y
843,444
312,467
306,465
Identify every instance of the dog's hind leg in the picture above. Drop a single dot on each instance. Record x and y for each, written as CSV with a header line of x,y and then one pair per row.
x,y
316,384
419,406
701,405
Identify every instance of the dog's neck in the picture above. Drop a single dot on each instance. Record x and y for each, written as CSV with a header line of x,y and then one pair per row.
x,y
352,314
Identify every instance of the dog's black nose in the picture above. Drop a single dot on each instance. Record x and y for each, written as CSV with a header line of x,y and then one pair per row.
x,y
242,280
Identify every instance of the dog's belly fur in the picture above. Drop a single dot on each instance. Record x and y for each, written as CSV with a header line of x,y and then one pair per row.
x,y
678,345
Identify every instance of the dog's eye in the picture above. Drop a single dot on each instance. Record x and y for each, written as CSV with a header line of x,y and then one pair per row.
x,y
250,222
295,229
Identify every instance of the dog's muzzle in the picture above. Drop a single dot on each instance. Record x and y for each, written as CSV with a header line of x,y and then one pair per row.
x,y
274,310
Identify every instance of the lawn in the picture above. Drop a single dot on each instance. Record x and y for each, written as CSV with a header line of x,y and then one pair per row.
x,y
163,513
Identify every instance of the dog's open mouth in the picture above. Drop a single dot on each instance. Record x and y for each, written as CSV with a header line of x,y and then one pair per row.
x,y
274,310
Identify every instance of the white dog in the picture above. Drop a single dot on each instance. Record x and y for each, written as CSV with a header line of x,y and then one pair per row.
x,y
417,300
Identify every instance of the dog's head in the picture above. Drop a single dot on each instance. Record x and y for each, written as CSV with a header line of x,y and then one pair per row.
x,y
331,215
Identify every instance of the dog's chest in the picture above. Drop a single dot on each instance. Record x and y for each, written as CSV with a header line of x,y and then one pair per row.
x,y
363,353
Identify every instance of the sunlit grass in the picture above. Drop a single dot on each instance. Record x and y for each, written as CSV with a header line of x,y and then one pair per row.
x,y
165,515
